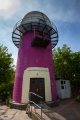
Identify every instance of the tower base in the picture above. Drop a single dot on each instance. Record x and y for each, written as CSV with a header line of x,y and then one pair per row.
x,y
18,106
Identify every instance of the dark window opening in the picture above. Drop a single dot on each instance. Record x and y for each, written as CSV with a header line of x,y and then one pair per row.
x,y
62,87
33,82
61,82
40,81
64,82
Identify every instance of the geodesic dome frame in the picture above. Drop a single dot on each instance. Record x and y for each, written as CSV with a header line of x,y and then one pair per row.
x,y
38,21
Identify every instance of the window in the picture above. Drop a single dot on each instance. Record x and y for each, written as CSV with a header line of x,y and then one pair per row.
x,y
33,81
61,82
40,81
62,87
64,82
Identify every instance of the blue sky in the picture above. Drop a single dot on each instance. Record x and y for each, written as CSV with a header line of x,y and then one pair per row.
x,y
65,14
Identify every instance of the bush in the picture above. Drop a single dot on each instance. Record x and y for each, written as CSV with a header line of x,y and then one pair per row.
x,y
7,72
9,102
78,99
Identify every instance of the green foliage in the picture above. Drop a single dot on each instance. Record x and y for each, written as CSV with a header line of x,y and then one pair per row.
x,y
6,73
9,102
67,64
78,99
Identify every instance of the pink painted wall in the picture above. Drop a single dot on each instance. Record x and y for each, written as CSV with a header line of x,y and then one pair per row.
x,y
32,57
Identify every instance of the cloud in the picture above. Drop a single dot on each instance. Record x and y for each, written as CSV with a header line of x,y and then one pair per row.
x,y
64,11
60,12
14,56
7,8
65,16
6,40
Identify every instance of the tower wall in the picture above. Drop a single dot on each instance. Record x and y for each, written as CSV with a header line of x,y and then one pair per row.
x,y
29,56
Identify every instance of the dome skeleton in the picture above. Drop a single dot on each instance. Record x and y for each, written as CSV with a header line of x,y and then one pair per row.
x,y
34,21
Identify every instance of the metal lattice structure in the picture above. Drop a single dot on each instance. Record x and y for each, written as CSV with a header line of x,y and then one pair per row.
x,y
38,21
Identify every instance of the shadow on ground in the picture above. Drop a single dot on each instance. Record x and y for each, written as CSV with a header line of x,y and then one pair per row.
x,y
66,109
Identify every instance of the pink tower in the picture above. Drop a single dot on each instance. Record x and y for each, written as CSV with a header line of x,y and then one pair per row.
x,y
34,36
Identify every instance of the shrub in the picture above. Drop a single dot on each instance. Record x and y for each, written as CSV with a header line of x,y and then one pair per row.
x,y
78,98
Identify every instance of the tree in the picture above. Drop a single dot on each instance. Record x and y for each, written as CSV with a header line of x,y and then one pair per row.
x,y
67,64
6,73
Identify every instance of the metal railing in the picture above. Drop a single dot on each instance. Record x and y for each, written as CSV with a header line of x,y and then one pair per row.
x,y
29,101
31,20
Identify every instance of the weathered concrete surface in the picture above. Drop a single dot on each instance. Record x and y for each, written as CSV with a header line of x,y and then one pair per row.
x,y
66,110
12,114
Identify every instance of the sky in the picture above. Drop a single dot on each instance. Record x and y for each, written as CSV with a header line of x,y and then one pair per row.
x,y
65,14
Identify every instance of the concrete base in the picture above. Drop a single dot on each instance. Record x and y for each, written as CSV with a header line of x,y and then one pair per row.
x,y
18,106
35,114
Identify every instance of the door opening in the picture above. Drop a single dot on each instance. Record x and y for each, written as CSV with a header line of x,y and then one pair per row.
x,y
37,86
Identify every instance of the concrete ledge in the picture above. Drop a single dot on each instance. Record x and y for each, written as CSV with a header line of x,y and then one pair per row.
x,y
35,114
19,106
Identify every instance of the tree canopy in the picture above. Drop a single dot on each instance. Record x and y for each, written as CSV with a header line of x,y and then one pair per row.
x,y
67,64
6,72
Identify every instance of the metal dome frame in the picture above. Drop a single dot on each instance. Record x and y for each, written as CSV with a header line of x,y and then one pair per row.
x,y
29,24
